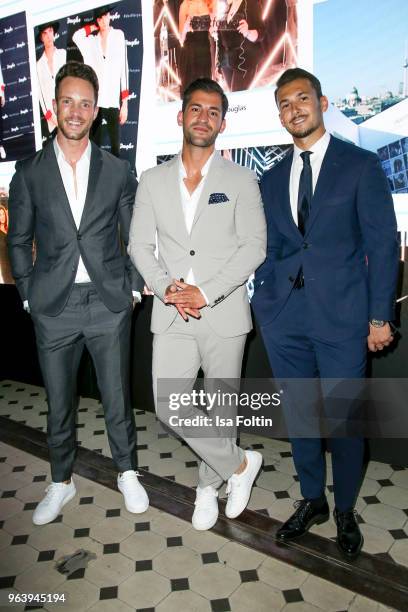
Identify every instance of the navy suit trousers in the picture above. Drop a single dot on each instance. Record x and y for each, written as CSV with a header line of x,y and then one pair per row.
x,y
297,351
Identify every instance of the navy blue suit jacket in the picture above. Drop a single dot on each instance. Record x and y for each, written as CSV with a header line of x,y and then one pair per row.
x,y
349,253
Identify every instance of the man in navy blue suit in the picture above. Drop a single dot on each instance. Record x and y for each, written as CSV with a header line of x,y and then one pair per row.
x,y
326,289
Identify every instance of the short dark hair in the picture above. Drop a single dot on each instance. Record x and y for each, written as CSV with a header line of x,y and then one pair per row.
x,y
209,86
298,73
79,71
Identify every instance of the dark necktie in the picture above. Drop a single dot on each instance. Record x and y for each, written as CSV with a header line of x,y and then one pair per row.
x,y
305,192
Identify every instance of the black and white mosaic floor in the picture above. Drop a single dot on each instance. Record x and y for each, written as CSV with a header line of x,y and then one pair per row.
x,y
156,561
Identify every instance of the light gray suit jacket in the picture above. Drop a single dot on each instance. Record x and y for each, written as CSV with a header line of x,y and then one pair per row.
x,y
226,244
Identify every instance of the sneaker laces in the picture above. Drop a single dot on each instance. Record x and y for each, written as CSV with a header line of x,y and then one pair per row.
x,y
52,491
130,475
204,494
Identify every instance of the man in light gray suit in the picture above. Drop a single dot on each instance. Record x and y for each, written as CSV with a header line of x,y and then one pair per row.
x,y
208,217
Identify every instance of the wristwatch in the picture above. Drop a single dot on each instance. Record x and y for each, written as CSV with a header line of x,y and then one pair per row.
x,y
377,323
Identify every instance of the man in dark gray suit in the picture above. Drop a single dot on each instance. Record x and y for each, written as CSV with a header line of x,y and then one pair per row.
x,y
70,198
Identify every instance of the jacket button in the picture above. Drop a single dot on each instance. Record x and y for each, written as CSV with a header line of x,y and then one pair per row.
x,y
305,245
192,252
79,236
291,279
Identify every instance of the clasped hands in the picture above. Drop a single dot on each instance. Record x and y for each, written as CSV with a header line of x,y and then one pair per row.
x,y
188,299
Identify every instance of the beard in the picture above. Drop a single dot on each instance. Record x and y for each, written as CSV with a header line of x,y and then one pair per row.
x,y
303,131
73,135
197,140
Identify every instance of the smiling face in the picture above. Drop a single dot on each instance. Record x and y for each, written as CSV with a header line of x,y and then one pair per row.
x,y
202,119
75,108
301,110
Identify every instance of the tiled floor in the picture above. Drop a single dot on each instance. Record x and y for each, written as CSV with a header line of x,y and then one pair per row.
x,y
382,504
146,562
155,561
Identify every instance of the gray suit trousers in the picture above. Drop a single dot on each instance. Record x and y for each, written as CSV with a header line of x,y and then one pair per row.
x,y
178,354
85,320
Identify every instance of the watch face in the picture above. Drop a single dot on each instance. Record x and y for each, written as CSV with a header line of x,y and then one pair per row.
x,y
377,323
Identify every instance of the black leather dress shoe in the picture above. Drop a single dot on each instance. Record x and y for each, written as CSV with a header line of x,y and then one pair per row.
x,y
302,519
349,536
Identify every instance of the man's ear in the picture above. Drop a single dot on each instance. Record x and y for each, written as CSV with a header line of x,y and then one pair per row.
x,y
223,126
54,106
96,111
324,104
180,118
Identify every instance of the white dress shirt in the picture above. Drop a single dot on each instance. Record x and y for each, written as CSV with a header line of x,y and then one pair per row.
x,y
46,81
111,69
316,159
189,203
76,200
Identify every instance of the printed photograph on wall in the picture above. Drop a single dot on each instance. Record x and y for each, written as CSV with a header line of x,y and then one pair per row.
x,y
394,161
258,159
109,38
16,108
5,270
242,44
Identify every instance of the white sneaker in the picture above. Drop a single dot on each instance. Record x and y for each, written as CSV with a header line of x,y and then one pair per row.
x,y
240,485
206,508
136,499
2,152
58,494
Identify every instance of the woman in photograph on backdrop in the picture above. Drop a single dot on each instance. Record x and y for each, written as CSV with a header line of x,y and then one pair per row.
x,y
5,271
239,30
48,65
3,217
195,18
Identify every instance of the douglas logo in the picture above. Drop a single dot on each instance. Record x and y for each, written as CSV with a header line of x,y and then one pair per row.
x,y
133,43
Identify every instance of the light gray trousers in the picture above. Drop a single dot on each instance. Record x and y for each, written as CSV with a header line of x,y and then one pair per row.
x,y
178,354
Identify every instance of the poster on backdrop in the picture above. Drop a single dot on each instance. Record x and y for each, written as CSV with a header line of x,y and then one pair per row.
x,y
110,39
244,45
16,117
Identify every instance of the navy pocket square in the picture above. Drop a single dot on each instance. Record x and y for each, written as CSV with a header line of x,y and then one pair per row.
x,y
218,198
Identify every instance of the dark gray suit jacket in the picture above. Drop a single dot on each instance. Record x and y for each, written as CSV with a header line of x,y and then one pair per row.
x,y
39,209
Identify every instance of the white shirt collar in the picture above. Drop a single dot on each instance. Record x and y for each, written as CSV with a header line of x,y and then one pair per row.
x,y
86,155
204,169
319,148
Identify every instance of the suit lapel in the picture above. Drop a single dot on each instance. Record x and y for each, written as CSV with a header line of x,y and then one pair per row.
x,y
324,185
284,197
55,183
95,168
173,198
212,184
